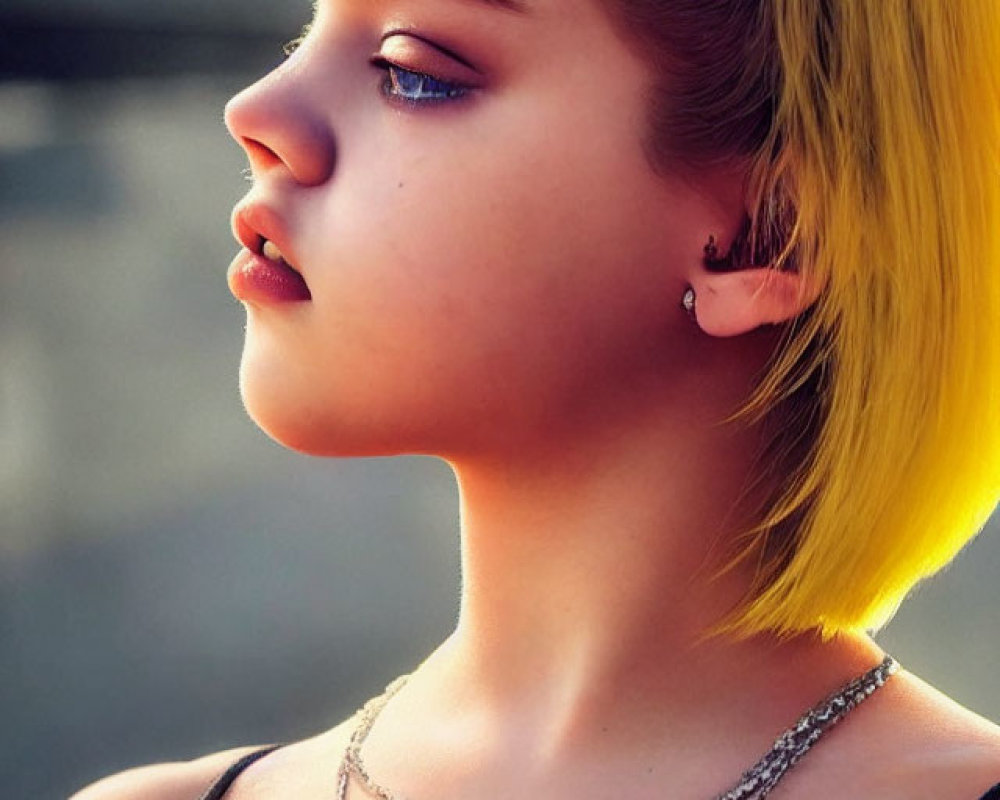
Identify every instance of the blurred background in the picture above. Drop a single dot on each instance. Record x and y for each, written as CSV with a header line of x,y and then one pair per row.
x,y
171,582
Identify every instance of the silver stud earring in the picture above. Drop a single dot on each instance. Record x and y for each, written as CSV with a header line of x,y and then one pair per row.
x,y
688,301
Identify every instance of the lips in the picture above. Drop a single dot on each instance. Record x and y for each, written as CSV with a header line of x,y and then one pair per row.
x,y
265,273
261,231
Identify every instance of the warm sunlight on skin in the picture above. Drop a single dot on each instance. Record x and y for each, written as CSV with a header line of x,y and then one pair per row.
x,y
486,267
494,277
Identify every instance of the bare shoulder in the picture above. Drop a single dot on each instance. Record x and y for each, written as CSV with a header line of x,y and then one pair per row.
x,y
296,770
947,750
185,780
910,741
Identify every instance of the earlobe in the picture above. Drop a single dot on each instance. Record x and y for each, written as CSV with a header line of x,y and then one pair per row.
x,y
737,302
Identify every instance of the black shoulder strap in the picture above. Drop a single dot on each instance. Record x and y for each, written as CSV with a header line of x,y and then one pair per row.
x,y
221,786
992,794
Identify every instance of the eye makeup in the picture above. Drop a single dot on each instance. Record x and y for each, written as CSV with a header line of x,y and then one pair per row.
x,y
420,72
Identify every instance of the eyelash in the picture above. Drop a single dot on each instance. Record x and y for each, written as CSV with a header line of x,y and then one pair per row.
x,y
290,47
423,89
443,92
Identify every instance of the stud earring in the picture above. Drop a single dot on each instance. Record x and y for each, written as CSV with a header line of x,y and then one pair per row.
x,y
688,302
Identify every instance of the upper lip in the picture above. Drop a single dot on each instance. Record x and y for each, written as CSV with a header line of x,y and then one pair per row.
x,y
254,222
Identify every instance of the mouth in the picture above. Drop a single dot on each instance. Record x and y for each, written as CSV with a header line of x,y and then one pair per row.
x,y
261,231
266,272
272,252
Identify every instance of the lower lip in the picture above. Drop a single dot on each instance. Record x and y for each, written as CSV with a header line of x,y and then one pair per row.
x,y
258,280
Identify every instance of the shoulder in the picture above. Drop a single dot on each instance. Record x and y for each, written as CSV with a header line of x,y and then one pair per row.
x,y
909,741
947,751
174,781
296,770
944,769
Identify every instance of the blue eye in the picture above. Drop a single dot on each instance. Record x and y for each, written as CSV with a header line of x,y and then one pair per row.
x,y
417,88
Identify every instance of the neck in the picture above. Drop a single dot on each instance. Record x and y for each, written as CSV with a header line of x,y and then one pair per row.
x,y
580,559
590,581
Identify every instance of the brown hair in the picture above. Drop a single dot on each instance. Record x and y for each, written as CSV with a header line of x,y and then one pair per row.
x,y
719,77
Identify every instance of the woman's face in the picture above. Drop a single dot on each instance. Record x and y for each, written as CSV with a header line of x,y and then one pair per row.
x,y
486,256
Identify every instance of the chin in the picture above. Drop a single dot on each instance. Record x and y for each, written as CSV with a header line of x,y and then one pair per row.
x,y
317,428
291,425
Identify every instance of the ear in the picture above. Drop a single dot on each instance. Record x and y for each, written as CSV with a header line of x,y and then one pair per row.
x,y
736,302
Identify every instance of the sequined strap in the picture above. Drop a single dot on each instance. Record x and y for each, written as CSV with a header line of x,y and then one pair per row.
x,y
758,781
353,764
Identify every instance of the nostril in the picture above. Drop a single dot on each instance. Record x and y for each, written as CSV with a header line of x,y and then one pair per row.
x,y
261,156
276,122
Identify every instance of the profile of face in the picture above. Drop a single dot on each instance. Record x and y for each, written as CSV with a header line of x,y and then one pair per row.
x,y
480,250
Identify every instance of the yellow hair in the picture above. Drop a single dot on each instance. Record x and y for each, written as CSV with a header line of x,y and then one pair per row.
x,y
886,148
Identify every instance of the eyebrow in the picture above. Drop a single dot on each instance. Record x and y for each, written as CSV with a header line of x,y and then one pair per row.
x,y
509,5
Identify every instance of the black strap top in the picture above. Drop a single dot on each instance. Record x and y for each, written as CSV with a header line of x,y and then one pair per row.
x,y
225,781
221,786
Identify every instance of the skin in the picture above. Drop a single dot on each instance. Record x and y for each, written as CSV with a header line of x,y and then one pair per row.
x,y
496,281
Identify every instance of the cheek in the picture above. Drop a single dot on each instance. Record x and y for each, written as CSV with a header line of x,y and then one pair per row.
x,y
513,234
516,285
476,283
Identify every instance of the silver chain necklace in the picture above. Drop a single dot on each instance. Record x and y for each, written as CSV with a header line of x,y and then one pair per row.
x,y
755,784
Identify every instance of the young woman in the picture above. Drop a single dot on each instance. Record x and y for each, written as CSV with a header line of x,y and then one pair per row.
x,y
700,299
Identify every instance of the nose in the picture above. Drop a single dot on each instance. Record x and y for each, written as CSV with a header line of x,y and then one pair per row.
x,y
278,126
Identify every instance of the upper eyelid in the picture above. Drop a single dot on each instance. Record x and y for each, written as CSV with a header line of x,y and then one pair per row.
x,y
382,60
415,53
440,48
